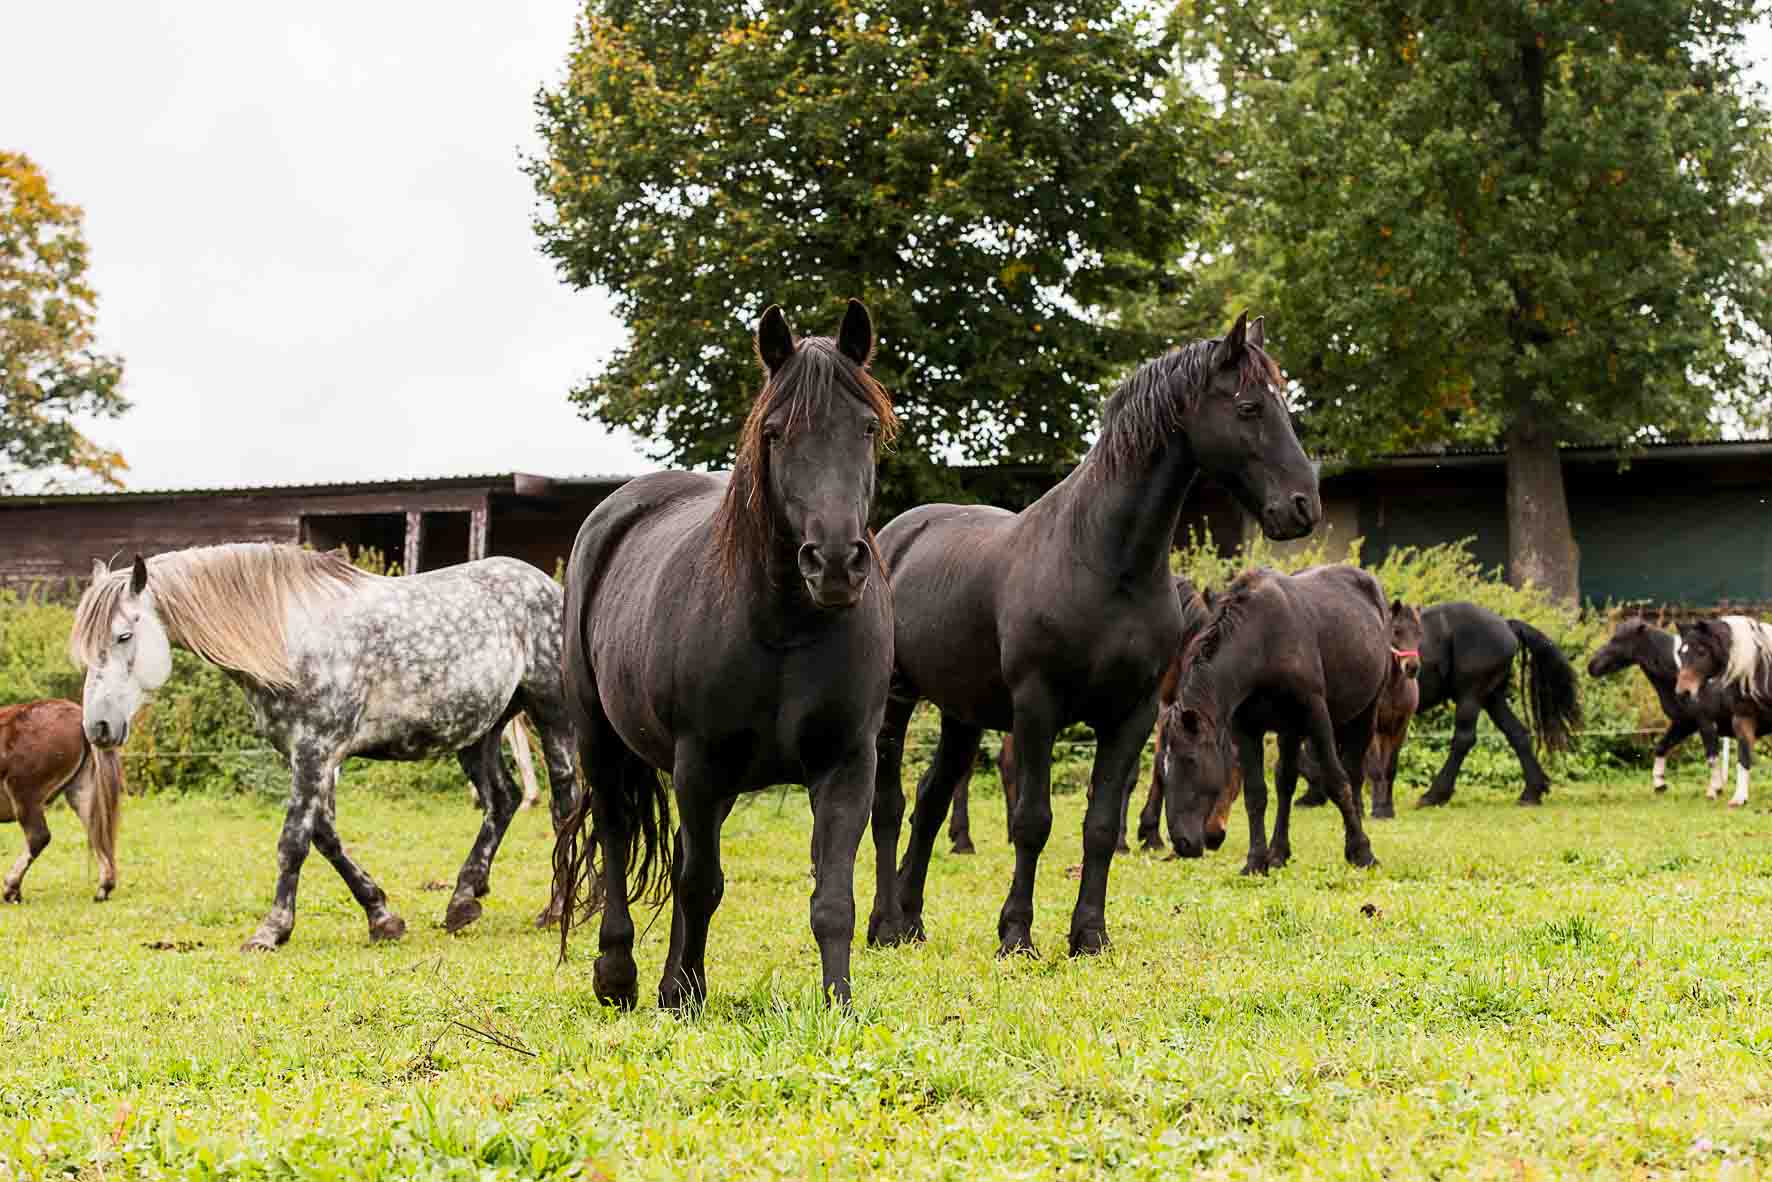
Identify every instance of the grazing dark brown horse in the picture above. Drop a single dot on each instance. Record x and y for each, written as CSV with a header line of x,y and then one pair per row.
x,y
1067,612
735,632
43,753
1733,654
1467,653
1300,656
1194,611
1397,704
1657,653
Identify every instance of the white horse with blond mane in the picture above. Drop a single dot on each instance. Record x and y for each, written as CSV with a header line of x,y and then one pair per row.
x,y
337,662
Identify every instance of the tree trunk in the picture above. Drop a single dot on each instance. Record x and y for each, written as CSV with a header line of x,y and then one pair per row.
x,y
1540,541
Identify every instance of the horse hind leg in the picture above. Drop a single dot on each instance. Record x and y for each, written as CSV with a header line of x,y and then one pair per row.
x,y
1746,731
383,923
1503,716
1464,737
484,765
555,733
36,827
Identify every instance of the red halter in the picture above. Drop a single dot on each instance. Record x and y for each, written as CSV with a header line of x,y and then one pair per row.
x,y
1400,653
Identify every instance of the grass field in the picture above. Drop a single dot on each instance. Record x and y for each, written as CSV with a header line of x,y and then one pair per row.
x,y
1581,989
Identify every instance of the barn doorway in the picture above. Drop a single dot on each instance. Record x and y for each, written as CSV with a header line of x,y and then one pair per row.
x,y
382,533
443,539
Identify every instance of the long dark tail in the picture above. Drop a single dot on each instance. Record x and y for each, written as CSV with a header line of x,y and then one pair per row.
x,y
637,802
1547,682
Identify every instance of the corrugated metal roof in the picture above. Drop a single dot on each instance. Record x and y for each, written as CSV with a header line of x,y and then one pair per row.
x,y
506,480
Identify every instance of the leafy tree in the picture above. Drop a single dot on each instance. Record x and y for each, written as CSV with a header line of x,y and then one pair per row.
x,y
981,175
1518,222
49,371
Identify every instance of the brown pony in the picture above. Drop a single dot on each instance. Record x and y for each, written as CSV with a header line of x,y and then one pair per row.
x,y
42,752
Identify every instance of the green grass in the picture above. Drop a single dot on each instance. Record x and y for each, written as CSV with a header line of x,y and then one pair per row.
x,y
1577,990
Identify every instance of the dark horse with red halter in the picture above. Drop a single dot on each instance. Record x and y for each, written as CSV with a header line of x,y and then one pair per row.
x,y
734,632
1067,612
1299,656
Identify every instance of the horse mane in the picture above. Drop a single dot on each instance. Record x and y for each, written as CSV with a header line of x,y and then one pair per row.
x,y
1750,658
228,604
1229,608
1150,405
744,528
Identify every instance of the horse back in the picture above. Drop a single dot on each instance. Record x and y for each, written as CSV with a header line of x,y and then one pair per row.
x,y
1344,617
41,745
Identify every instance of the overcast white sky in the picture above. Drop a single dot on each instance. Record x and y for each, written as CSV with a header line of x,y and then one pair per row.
x,y
310,238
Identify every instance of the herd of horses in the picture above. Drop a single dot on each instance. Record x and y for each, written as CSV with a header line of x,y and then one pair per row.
x,y
732,632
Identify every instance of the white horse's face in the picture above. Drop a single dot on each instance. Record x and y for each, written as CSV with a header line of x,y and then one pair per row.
x,y
136,660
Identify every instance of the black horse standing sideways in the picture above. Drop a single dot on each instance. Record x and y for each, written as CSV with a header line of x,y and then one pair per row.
x,y
1067,611
1657,654
736,633
1467,653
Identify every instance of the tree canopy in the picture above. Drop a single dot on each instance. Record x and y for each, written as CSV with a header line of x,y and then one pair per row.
x,y
1514,222
50,371
984,177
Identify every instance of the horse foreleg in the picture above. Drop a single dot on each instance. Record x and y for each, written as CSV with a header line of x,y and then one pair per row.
x,y
1249,759
1713,756
1279,850
1677,732
1036,726
1464,737
1150,817
886,923
1746,731
36,827
699,881
1503,716
955,753
1335,752
838,822
1110,788
960,818
310,775
484,765
383,923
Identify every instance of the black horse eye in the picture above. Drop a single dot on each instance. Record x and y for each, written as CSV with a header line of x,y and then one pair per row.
x,y
1249,410
124,637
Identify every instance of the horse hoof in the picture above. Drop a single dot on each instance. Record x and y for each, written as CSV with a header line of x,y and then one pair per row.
x,y
616,982
964,847
1362,860
103,895
1018,943
1738,804
460,914
1433,798
1089,942
1277,859
388,927
1660,787
13,895
680,999
259,944
549,918
885,933
1384,812
1254,866
1531,799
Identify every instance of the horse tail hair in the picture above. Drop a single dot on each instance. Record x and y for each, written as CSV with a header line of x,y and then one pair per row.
x,y
1547,682
98,785
637,803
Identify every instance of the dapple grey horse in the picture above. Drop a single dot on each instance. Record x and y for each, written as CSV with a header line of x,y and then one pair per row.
x,y
338,662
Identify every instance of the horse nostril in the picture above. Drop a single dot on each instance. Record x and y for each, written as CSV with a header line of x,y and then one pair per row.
x,y
811,564
101,730
1301,504
858,560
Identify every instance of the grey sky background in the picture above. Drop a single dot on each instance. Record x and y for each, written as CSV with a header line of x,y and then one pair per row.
x,y
310,238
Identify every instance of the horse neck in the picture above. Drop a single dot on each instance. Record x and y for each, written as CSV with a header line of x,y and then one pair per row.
x,y
1124,520
1221,684
1659,661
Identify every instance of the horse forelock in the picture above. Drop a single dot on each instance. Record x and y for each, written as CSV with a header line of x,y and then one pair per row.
x,y
1749,665
806,386
1153,402
228,604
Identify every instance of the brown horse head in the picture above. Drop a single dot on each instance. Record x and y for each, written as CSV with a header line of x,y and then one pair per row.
x,y
1704,654
802,486
1406,634
1199,777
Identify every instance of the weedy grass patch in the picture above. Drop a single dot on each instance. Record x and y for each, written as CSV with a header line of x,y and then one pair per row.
x,y
1575,990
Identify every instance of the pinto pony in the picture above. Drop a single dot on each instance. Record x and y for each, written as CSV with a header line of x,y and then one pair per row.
x,y
337,662
43,754
1657,654
735,632
1066,612
1734,654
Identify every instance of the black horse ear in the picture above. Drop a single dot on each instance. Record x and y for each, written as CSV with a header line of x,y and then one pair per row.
x,y
855,340
1229,350
1257,333
138,576
1396,607
775,340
